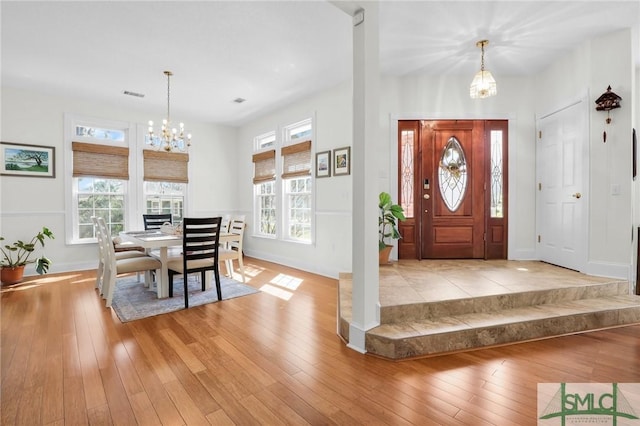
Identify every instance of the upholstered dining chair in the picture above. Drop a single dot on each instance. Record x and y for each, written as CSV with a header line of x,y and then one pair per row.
x,y
155,221
114,267
233,250
200,247
122,254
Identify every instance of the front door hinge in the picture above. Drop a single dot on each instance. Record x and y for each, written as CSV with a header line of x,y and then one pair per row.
x,y
484,237
539,238
539,186
539,134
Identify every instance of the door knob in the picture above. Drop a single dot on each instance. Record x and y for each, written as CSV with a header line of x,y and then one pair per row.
x,y
577,195
426,196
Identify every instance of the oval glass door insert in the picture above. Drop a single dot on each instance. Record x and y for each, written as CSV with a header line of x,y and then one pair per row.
x,y
453,174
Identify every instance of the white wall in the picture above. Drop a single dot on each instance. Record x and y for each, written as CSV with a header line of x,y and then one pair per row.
x,y
27,204
331,252
598,63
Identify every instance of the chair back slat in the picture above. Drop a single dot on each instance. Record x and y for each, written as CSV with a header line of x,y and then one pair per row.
x,y
155,221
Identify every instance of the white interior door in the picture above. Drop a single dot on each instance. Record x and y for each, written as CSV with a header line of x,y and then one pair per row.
x,y
562,201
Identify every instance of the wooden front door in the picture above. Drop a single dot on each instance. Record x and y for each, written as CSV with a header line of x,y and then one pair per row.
x,y
458,208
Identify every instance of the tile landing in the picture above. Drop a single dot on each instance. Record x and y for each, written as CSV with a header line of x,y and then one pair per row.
x,y
431,307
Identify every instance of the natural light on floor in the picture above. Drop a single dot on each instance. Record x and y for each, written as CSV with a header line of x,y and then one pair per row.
x,y
31,283
283,286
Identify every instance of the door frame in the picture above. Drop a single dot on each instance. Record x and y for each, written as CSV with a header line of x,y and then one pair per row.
x,y
512,152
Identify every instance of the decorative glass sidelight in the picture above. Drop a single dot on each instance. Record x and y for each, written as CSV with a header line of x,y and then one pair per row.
x,y
497,209
453,174
407,142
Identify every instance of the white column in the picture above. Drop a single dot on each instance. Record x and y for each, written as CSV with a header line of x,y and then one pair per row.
x,y
366,80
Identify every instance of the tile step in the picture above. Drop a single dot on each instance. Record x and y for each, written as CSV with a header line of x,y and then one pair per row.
x,y
475,305
475,330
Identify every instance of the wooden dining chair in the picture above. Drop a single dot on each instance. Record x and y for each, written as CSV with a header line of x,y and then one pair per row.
x,y
200,248
233,250
155,221
114,267
119,254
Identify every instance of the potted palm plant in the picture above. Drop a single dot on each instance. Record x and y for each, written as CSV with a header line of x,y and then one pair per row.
x,y
17,255
388,217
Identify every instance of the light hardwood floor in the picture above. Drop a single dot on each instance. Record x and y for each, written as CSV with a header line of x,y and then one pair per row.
x,y
270,358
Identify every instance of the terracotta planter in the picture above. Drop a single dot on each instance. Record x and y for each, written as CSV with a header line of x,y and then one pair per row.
x,y
11,275
384,254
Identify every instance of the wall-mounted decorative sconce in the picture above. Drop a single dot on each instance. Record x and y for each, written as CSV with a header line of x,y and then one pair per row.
x,y
606,102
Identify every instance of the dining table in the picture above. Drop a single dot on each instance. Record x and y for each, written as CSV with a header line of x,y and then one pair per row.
x,y
158,240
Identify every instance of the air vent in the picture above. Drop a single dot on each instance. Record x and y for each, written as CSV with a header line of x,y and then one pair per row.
x,y
239,100
137,95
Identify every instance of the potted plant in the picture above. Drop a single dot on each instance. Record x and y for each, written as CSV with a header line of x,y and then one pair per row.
x,y
17,255
388,217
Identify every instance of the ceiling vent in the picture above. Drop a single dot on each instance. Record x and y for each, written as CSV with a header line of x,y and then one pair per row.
x,y
137,95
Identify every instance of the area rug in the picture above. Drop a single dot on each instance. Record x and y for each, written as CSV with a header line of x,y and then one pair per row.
x,y
133,301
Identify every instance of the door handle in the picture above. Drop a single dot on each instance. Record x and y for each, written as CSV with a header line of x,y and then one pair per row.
x,y
577,195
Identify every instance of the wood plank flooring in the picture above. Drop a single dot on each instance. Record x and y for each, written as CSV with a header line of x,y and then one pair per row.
x,y
272,358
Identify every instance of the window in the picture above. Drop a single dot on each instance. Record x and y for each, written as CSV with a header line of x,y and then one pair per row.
x,y
99,176
266,208
284,201
165,177
264,180
497,209
298,206
165,197
102,154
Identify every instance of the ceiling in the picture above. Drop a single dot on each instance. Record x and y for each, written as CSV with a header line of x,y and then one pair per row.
x,y
272,53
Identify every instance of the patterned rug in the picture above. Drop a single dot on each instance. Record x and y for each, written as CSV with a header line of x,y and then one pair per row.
x,y
132,300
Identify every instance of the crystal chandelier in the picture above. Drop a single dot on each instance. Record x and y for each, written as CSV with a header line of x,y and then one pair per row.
x,y
170,138
483,84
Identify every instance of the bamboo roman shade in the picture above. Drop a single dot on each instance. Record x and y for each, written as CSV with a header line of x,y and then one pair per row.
x,y
161,166
100,160
296,160
264,164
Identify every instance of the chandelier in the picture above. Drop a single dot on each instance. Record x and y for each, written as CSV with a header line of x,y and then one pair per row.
x,y
483,84
170,138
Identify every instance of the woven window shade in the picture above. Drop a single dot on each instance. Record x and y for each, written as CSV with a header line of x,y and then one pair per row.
x,y
100,161
296,160
161,166
264,165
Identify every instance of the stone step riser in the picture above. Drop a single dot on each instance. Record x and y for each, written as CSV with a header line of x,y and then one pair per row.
x,y
499,302
480,337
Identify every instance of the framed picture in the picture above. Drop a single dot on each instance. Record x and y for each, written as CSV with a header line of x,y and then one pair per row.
x,y
323,164
27,160
342,161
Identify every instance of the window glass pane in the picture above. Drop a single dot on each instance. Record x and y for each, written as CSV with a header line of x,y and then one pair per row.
x,y
298,131
103,198
453,174
266,205
496,174
266,140
165,197
407,143
99,133
298,197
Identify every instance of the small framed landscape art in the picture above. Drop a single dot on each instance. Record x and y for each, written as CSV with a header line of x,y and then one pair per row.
x,y
323,164
342,161
27,160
